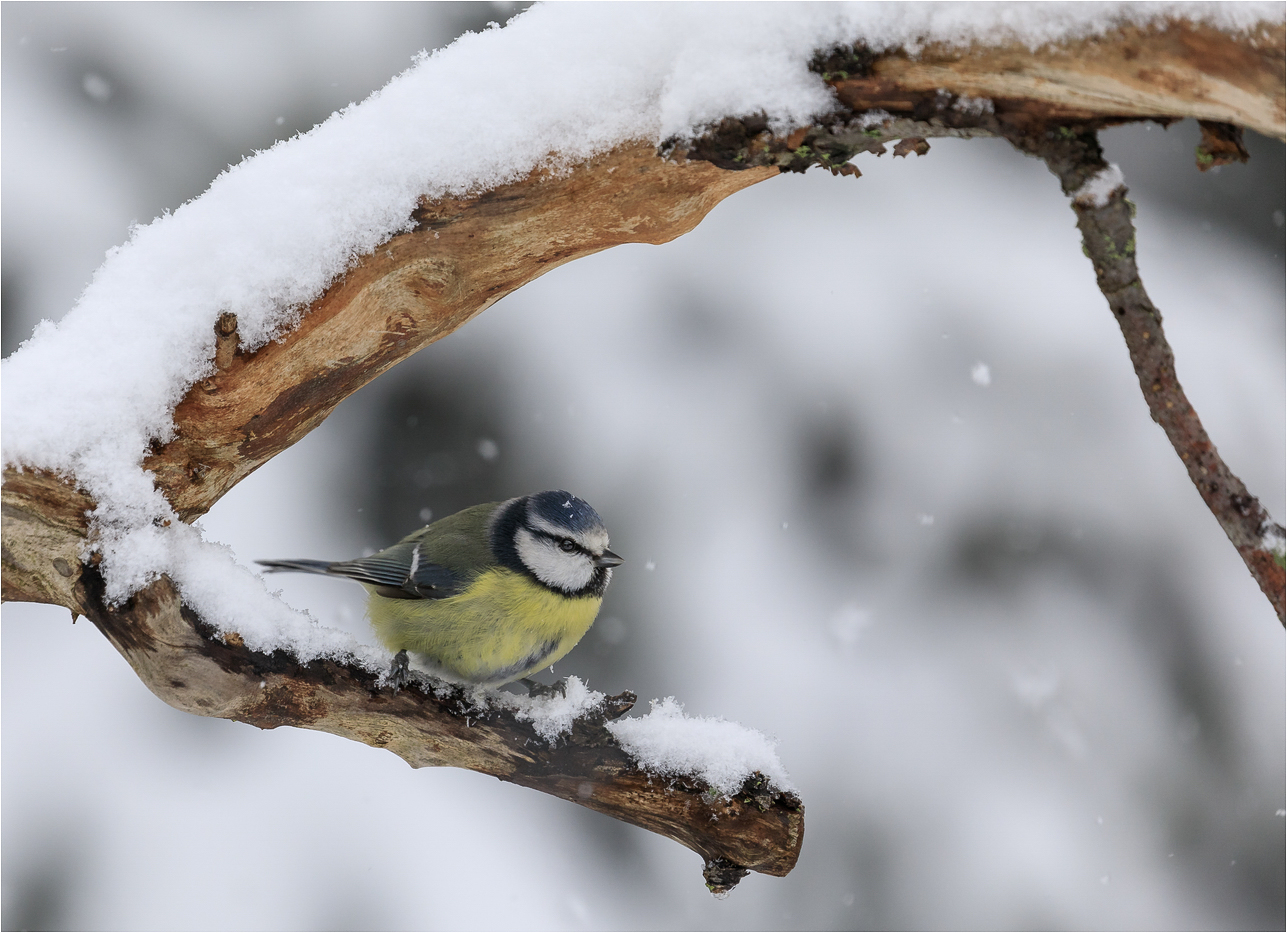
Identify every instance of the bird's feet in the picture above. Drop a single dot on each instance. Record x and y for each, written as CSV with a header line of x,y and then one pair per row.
x,y
399,671
535,689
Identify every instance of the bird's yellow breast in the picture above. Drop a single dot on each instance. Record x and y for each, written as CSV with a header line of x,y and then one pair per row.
x,y
503,627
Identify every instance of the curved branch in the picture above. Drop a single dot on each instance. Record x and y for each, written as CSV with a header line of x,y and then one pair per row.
x,y
464,255
467,253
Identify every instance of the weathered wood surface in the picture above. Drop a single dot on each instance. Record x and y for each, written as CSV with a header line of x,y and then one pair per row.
x,y
1182,70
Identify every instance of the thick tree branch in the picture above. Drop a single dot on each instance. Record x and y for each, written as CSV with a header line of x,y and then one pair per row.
x,y
1181,70
466,253
45,530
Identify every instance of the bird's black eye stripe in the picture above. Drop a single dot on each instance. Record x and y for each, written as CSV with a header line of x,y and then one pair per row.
x,y
566,545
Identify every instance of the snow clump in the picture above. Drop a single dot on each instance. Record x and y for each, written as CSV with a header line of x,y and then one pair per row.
x,y
552,716
1099,187
719,753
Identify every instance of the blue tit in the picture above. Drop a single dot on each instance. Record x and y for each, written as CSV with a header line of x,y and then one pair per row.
x,y
488,595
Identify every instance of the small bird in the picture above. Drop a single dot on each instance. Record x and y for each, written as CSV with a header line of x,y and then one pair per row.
x,y
488,595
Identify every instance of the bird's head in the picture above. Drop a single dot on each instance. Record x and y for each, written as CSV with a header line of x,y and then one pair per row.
x,y
558,539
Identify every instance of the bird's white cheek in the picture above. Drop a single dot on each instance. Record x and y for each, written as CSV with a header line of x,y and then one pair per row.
x,y
551,565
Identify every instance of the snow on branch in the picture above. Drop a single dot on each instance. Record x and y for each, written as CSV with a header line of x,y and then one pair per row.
x,y
745,816
222,333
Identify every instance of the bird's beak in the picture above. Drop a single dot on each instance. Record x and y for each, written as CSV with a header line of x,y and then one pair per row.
x,y
608,559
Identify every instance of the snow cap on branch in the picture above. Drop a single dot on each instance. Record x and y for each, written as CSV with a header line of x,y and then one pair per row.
x,y
1099,187
719,753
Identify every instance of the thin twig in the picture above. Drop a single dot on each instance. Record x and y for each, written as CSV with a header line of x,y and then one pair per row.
x,y
1108,238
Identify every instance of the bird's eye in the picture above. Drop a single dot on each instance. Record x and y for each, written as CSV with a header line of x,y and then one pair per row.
x,y
568,547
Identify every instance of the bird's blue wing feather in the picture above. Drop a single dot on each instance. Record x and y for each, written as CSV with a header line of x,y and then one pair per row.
x,y
390,571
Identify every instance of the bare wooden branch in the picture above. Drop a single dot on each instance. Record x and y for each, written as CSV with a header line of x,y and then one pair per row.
x,y
1180,70
45,529
227,340
466,253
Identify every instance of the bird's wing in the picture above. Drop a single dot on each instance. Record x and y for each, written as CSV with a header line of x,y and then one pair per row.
x,y
400,573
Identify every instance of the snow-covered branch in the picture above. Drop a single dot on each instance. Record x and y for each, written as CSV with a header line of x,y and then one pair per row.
x,y
734,807
222,334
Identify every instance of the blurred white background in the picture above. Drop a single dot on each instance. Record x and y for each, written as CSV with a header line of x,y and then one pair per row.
x,y
882,474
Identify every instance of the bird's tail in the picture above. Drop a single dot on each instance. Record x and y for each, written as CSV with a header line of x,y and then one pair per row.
x,y
299,566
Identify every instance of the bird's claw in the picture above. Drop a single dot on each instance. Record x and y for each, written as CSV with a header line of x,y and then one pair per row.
x,y
535,689
399,671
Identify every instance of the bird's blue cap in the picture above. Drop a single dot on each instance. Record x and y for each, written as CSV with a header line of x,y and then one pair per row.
x,y
564,510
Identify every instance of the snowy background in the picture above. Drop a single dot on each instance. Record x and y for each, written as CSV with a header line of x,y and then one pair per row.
x,y
878,463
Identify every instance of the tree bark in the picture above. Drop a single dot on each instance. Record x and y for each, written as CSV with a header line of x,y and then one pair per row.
x,y
463,255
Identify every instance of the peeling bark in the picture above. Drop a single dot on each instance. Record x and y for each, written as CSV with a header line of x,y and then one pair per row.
x,y
463,256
